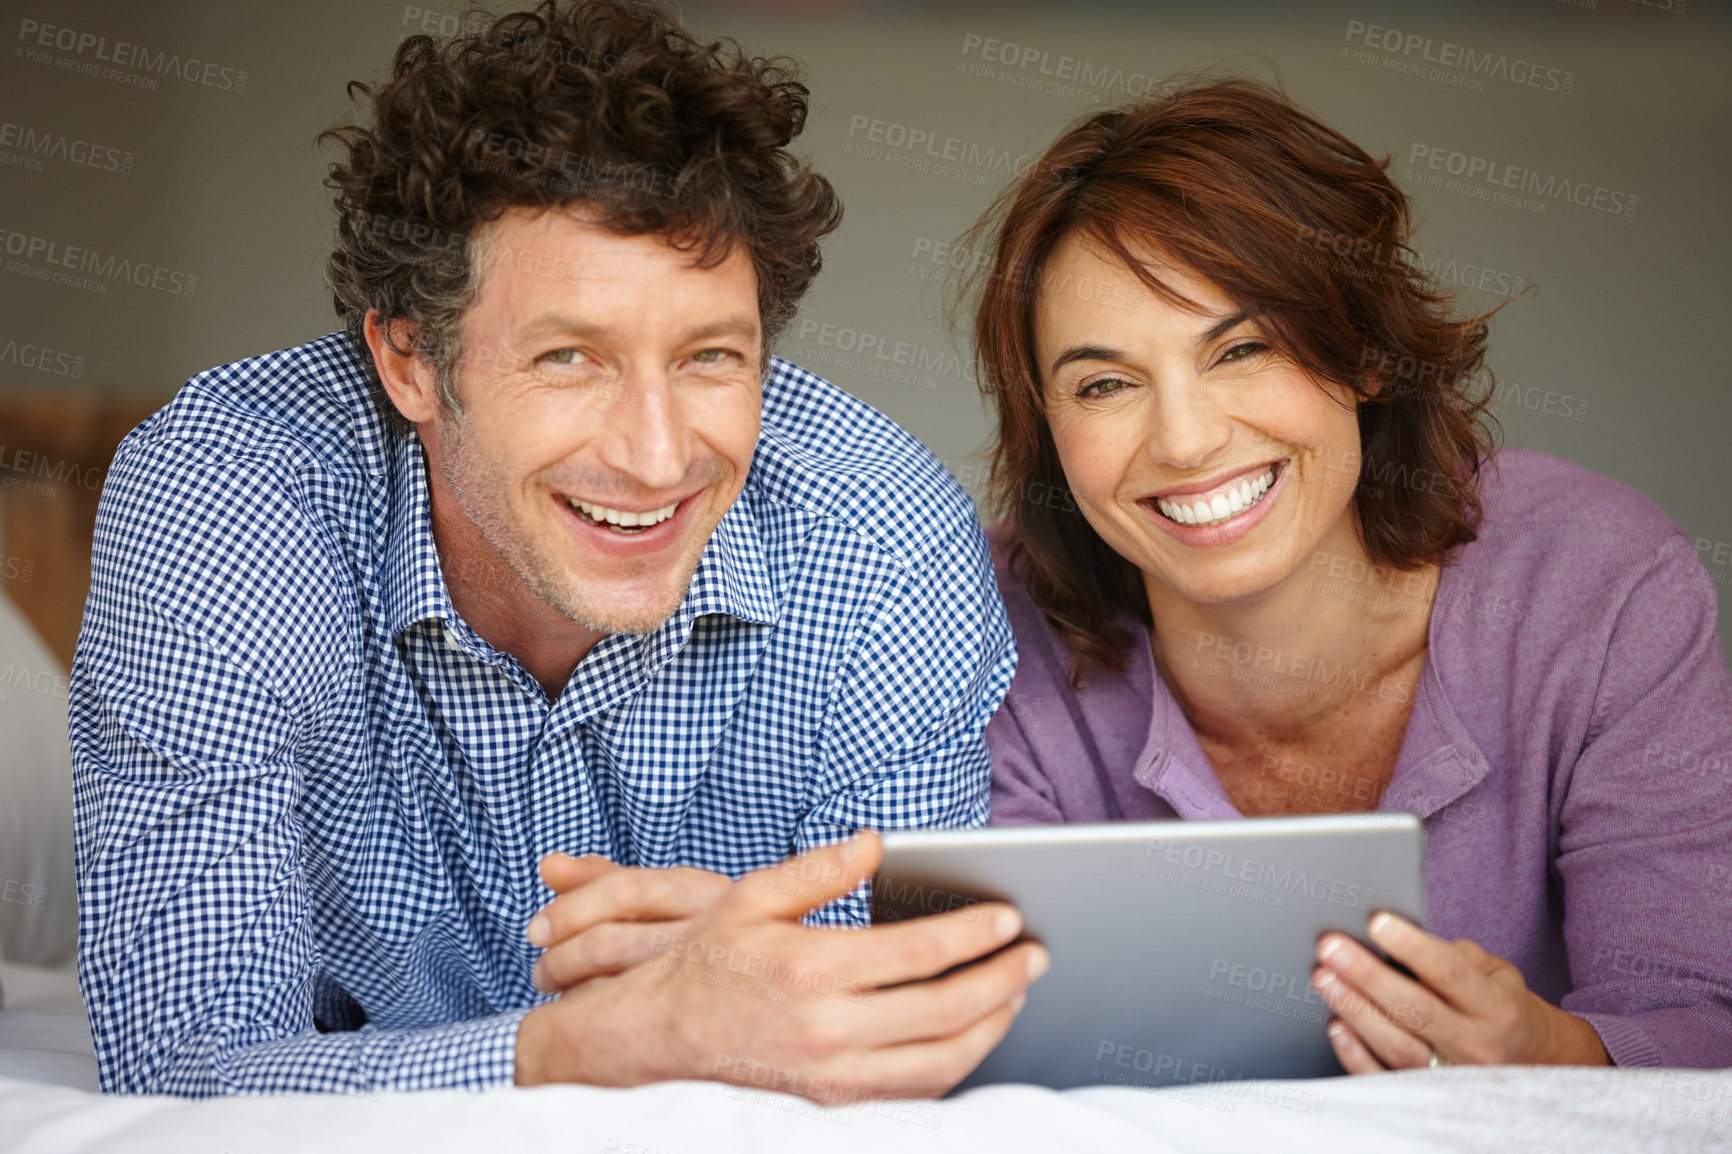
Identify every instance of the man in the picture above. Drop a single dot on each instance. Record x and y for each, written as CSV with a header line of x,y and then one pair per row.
x,y
544,561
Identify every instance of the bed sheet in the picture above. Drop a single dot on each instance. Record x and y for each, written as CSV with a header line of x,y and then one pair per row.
x,y
1518,1110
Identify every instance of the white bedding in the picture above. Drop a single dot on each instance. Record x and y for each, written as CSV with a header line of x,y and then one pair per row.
x,y
44,1056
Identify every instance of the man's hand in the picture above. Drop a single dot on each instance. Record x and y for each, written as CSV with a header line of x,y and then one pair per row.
x,y
1468,1007
748,995
609,917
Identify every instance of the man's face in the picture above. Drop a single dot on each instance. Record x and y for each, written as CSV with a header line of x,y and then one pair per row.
x,y
609,408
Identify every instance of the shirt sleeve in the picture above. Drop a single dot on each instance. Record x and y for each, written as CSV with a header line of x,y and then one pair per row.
x,y
220,630
903,743
1645,842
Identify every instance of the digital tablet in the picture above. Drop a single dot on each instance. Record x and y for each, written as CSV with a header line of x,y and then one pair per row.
x,y
1181,950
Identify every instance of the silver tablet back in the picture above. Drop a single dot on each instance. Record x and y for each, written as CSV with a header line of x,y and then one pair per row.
x,y
1181,950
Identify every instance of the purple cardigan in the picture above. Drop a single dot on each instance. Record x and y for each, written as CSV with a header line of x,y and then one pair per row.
x,y
1570,752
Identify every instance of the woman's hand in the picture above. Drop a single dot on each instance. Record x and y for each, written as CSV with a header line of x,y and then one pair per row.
x,y
1467,1007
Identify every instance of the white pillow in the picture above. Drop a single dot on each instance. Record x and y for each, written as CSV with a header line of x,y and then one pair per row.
x,y
38,897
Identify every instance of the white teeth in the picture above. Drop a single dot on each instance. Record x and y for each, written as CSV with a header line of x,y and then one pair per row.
x,y
624,518
1221,506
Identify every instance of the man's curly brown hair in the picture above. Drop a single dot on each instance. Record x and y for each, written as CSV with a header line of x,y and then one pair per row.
x,y
611,104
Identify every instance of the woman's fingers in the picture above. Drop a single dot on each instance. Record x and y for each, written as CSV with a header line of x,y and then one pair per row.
x,y
1355,1056
1383,1027
1455,970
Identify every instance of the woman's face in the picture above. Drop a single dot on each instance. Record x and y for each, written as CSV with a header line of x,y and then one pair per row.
x,y
1202,456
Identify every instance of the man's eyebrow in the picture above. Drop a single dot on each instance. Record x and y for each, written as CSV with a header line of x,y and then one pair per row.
x,y
556,324
743,327
1102,353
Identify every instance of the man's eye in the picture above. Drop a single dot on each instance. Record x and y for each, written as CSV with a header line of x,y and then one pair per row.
x,y
563,356
711,356
1102,388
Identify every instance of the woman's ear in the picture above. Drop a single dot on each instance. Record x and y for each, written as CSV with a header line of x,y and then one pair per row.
x,y
407,377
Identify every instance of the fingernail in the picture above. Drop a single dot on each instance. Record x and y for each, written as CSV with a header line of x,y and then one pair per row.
x,y
1381,923
538,931
1038,964
1329,946
1018,1002
1324,979
1336,1029
1006,924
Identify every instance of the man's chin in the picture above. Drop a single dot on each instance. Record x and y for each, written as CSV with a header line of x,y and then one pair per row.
x,y
609,615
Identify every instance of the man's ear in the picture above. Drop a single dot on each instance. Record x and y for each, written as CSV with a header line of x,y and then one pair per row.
x,y
408,379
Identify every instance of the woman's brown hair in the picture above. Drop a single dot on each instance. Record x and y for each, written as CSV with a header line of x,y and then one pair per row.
x,y
1301,229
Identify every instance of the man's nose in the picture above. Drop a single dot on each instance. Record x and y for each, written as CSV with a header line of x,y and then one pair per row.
x,y
642,435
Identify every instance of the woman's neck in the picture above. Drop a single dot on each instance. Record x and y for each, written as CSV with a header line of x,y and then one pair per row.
x,y
1338,637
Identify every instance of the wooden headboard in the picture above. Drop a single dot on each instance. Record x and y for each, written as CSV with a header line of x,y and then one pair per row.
x,y
55,446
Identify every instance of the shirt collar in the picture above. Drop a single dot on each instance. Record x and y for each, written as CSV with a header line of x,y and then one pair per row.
x,y
414,585
732,577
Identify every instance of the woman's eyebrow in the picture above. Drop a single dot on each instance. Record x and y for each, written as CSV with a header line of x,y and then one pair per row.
x,y
1084,353
1102,353
1227,324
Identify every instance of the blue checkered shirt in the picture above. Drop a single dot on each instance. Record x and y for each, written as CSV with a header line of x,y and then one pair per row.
x,y
311,800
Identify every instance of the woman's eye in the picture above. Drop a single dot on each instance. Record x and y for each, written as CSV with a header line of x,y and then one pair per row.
x,y
1243,350
1101,388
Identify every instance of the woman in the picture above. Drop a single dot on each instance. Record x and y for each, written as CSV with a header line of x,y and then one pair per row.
x,y
1292,576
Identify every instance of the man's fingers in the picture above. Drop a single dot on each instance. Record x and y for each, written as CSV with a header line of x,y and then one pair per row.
x,y
561,872
892,953
952,1005
789,890
603,950
929,1069
628,895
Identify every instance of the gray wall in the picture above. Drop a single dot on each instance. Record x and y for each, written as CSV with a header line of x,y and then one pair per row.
x,y
1625,329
